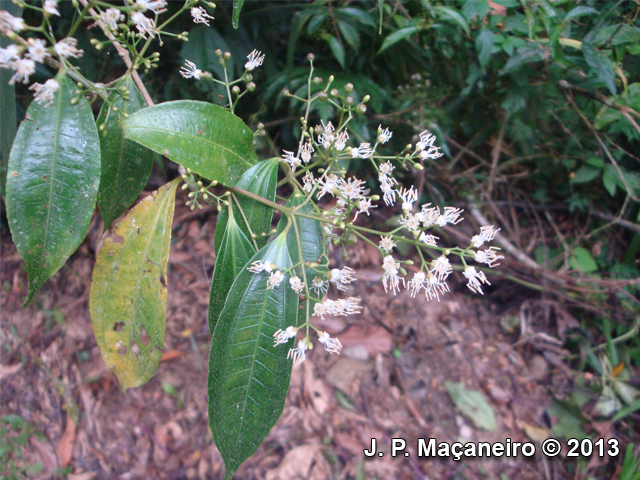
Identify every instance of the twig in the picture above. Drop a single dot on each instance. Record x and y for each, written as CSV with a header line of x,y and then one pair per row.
x,y
495,156
124,54
600,98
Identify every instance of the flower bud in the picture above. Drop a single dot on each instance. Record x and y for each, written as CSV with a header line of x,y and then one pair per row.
x,y
366,98
251,86
311,57
317,80
418,166
351,239
285,92
218,53
361,109
323,97
321,170
348,87
403,272
334,92
247,77
236,90
375,198
409,262
349,100
185,186
227,56
331,78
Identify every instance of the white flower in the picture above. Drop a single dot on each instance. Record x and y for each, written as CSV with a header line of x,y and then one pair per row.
x,y
344,307
387,244
353,188
341,278
44,93
306,152
145,25
331,345
417,283
307,182
275,279
475,279
255,60
200,15
298,354
9,23
486,235
426,148
258,266
23,68
390,278
328,185
291,159
386,168
37,50
296,284
488,256
426,140
386,185
51,7
341,140
441,267
385,135
428,239
320,309
363,151
8,55
190,71
327,137
319,286
363,207
111,17
411,222
450,215
408,198
435,288
68,48
429,215
283,336
156,6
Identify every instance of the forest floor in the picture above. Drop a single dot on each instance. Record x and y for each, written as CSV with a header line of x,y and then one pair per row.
x,y
388,383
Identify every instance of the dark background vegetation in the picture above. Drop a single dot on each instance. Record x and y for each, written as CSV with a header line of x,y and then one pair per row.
x,y
536,106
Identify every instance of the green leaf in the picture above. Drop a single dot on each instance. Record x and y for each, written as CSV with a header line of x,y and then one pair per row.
x,y
581,259
526,54
450,13
567,420
618,34
398,36
260,179
547,8
52,182
128,294
336,49
585,174
248,376
204,137
609,180
8,124
237,7
312,240
126,165
473,405
234,253
473,8
484,44
350,34
601,65
579,11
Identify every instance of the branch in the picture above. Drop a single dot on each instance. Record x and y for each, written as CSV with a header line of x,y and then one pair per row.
x,y
124,54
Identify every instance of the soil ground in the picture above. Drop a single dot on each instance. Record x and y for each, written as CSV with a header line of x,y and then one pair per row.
x,y
388,383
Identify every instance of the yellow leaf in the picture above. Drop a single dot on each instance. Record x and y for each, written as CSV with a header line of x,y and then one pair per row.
x,y
129,293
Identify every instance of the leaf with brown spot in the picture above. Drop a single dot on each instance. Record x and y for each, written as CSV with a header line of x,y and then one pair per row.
x,y
129,295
